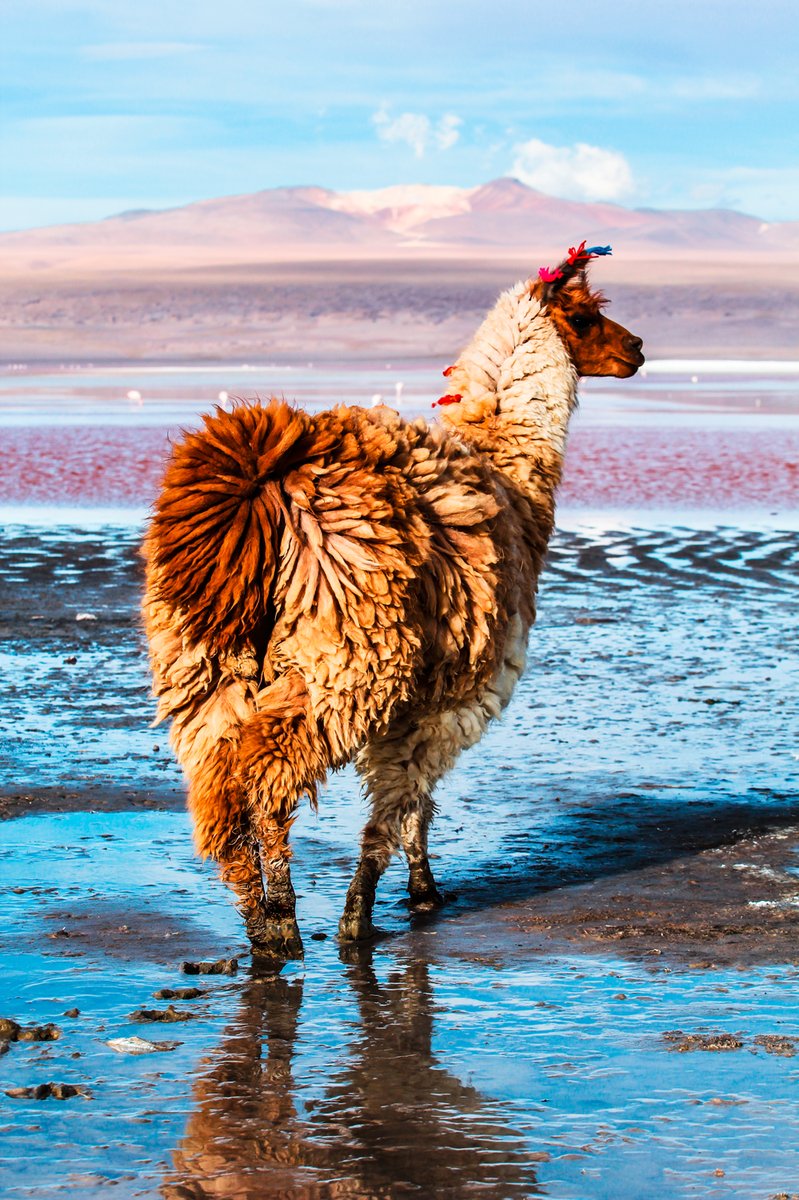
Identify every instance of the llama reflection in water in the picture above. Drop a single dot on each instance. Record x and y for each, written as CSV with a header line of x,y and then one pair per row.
x,y
391,1122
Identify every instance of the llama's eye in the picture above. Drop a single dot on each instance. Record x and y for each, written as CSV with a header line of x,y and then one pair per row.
x,y
579,322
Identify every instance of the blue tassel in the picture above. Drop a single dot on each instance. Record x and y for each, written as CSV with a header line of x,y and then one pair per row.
x,y
599,250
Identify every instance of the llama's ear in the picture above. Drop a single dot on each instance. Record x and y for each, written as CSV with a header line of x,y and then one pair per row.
x,y
551,283
573,268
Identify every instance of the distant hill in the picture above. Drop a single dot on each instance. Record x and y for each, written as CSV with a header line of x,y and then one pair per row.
x,y
280,224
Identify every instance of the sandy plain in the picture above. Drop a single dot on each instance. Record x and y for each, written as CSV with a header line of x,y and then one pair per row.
x,y
373,310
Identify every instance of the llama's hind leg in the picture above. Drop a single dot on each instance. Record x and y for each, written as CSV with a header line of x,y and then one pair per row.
x,y
276,933
240,869
249,850
261,882
280,760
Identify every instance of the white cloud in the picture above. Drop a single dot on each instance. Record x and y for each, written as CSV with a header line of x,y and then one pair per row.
x,y
578,172
446,132
417,130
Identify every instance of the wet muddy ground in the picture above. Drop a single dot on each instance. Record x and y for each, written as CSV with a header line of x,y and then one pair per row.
x,y
606,1009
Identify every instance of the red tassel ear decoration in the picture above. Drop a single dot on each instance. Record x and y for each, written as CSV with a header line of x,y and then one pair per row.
x,y
578,255
442,400
548,276
449,370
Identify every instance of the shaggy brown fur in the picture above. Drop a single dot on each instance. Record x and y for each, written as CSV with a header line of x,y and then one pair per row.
x,y
350,583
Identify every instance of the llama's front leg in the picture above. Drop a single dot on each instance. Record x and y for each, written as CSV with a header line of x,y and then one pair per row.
x,y
422,891
401,770
379,841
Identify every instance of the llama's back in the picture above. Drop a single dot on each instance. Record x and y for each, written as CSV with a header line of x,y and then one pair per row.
x,y
360,551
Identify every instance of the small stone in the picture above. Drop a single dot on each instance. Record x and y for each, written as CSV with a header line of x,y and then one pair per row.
x,y
223,966
39,1033
137,1045
168,1014
43,1091
320,936
683,1042
187,993
72,1012
773,1043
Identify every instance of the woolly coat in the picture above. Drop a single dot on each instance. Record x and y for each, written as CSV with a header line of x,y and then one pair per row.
x,y
315,581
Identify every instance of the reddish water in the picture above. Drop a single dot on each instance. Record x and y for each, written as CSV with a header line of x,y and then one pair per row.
x,y
607,466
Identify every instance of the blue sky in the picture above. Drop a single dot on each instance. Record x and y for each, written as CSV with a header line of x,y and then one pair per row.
x,y
110,105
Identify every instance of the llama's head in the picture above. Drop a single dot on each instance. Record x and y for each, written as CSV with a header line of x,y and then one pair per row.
x,y
596,345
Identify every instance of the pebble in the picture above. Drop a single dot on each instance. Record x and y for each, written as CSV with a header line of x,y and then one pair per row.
x,y
223,966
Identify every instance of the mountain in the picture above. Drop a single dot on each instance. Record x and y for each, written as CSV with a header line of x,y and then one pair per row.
x,y
284,224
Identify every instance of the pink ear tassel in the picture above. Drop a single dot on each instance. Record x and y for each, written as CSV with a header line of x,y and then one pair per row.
x,y
548,276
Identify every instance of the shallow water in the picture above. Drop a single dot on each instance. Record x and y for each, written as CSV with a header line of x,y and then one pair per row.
x,y
670,440
461,1058
618,853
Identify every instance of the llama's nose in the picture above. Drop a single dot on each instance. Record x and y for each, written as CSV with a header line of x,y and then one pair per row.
x,y
635,343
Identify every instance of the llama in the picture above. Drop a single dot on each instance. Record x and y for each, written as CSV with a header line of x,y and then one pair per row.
x,y
352,585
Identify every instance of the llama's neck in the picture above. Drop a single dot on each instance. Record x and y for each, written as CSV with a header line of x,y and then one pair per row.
x,y
519,389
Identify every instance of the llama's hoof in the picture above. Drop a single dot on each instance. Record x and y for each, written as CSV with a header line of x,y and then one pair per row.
x,y
356,925
280,941
426,902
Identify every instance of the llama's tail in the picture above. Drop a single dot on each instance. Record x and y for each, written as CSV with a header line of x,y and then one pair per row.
x,y
213,541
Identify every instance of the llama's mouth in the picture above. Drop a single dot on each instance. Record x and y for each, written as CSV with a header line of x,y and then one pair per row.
x,y
624,368
633,364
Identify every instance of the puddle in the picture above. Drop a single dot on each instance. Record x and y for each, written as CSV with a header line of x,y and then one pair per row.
x,y
429,1067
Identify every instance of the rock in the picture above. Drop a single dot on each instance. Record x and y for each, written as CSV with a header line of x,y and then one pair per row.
x,y
223,966
773,1043
43,1091
137,1045
12,1031
168,1014
683,1042
187,993
39,1033
72,1012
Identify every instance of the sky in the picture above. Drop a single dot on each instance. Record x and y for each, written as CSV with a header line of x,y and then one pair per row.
x,y
111,105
